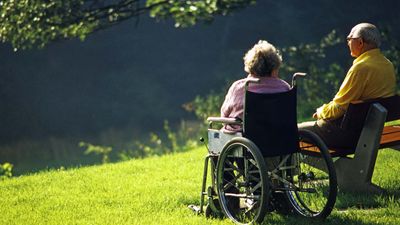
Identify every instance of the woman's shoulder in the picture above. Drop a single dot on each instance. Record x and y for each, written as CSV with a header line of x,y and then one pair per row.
x,y
239,83
284,83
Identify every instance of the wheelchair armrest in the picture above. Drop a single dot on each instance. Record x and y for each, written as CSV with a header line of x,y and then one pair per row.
x,y
225,120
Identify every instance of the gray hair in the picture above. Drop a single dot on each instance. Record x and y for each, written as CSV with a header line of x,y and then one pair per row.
x,y
262,59
368,32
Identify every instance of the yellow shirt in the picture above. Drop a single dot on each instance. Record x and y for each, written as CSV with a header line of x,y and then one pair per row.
x,y
371,76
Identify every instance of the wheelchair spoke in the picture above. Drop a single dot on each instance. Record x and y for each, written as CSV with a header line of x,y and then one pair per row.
x,y
242,187
257,186
253,163
231,183
253,178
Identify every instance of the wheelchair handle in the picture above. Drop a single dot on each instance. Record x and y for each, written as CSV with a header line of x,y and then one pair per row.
x,y
295,75
250,80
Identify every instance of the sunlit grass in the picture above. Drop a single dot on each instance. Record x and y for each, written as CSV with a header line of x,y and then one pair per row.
x,y
157,190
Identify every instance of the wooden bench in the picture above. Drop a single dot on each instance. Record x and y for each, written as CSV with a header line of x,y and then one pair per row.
x,y
369,117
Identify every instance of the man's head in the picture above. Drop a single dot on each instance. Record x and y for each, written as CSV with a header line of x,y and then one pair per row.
x,y
363,37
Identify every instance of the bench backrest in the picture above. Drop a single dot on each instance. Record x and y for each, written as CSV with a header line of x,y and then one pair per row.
x,y
355,116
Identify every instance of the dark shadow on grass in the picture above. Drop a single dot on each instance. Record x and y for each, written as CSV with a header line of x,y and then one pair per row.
x,y
357,200
331,220
394,193
278,219
347,200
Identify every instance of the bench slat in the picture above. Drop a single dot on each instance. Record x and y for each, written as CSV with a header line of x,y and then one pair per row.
x,y
390,136
391,129
313,150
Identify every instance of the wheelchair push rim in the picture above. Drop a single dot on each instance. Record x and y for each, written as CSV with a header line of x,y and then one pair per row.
x,y
242,184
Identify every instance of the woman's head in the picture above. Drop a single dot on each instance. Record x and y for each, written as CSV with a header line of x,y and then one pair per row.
x,y
262,59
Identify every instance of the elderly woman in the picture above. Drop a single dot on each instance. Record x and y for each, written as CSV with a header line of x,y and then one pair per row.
x,y
262,62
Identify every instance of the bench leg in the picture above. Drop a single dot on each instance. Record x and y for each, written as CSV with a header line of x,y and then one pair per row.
x,y
355,174
351,178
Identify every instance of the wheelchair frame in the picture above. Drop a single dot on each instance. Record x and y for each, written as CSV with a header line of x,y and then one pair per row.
x,y
289,177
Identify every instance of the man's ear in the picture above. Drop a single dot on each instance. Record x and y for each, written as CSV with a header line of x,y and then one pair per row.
x,y
361,42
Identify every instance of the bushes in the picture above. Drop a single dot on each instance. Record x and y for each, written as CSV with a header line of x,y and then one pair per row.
x,y
323,78
184,138
168,142
6,170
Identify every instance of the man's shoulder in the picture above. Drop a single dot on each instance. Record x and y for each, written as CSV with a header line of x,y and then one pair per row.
x,y
357,67
363,64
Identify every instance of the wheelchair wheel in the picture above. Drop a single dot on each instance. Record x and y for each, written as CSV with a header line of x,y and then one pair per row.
x,y
314,179
242,183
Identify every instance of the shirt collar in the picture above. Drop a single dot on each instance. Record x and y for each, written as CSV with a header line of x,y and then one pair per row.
x,y
369,53
261,78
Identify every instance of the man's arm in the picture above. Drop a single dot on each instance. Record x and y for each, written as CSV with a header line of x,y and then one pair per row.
x,y
350,90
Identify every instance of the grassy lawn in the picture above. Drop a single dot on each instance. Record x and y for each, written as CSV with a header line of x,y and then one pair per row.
x,y
157,190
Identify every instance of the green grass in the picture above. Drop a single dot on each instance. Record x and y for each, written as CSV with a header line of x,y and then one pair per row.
x,y
157,190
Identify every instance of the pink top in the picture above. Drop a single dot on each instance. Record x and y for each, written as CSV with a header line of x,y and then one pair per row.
x,y
233,104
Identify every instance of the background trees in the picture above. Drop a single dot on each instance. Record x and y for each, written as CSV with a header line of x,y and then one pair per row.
x,y
35,23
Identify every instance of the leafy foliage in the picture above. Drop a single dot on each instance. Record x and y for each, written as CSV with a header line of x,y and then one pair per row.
x,y
6,170
27,24
171,141
393,53
104,151
205,106
188,13
323,78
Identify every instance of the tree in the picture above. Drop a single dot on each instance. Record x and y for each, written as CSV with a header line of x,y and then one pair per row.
x,y
35,23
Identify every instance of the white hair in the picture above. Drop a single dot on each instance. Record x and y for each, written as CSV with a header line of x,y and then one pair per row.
x,y
368,32
262,59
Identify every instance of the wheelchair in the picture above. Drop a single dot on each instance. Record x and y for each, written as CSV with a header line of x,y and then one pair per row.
x,y
270,157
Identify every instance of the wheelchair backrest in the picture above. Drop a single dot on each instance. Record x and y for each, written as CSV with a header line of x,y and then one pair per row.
x,y
270,121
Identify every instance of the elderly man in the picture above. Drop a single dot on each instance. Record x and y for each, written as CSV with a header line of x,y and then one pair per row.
x,y
371,76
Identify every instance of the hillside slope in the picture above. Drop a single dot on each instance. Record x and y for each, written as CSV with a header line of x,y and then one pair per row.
x,y
157,190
